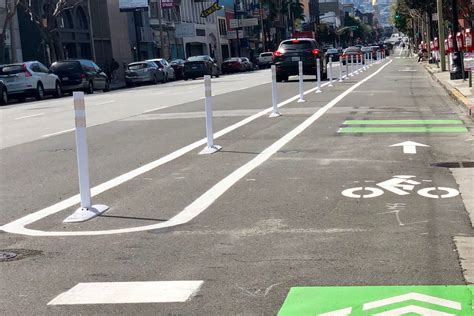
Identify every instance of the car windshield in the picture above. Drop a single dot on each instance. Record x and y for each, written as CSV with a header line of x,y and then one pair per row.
x,y
11,69
64,67
266,54
177,62
333,51
232,60
296,45
137,66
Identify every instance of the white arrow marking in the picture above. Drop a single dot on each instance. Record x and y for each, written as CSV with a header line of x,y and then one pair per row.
x,y
340,312
413,296
409,147
413,309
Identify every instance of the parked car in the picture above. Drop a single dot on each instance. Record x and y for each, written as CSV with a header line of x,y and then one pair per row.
x,y
334,53
198,66
247,63
348,52
165,67
29,79
232,65
178,67
3,94
265,60
80,75
291,51
143,72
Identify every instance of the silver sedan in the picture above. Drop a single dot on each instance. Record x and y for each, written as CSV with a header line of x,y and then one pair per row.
x,y
143,72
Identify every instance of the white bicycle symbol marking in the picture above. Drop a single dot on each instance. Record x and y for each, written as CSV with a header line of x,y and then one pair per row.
x,y
399,185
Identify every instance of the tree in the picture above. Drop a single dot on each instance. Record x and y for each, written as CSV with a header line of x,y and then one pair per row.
x,y
45,20
10,11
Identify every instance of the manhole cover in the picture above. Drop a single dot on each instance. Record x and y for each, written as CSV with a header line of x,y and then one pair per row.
x,y
454,164
7,255
17,254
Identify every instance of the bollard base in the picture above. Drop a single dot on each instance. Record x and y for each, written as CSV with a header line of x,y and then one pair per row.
x,y
85,214
319,91
210,150
275,114
301,100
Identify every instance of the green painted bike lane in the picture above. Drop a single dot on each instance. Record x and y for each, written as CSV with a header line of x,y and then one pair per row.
x,y
379,300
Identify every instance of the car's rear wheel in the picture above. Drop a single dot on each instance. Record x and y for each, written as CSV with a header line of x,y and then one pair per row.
x,y
90,88
4,97
58,92
279,78
39,95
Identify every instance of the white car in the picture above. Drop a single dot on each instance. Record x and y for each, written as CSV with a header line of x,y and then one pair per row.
x,y
29,79
165,67
265,60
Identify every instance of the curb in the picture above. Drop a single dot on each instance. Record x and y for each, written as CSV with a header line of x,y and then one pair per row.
x,y
453,93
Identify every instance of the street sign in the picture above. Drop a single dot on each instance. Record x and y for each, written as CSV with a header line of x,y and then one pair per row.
x,y
235,23
434,300
213,8
409,147
167,4
435,17
233,34
133,5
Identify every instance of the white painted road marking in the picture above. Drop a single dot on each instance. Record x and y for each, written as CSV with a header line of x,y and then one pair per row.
x,y
199,205
412,309
58,133
105,102
409,147
128,292
415,297
28,116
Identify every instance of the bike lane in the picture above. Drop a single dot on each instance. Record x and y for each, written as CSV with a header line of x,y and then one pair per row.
x,y
368,166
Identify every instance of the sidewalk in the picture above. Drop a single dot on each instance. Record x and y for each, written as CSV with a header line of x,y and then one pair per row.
x,y
458,89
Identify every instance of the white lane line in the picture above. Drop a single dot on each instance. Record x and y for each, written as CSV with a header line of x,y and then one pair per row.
x,y
128,292
105,102
18,226
58,133
28,116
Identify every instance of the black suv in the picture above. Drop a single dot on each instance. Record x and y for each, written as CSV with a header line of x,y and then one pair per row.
x,y
291,51
80,74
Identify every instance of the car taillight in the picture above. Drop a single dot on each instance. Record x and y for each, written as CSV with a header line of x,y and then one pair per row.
x,y
295,41
25,70
278,53
315,52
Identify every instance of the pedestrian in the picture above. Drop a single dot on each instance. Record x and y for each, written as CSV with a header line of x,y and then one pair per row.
x,y
114,66
420,55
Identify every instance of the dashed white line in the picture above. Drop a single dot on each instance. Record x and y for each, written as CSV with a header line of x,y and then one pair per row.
x,y
128,292
28,116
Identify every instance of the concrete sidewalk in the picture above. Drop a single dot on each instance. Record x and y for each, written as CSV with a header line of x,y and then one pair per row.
x,y
458,89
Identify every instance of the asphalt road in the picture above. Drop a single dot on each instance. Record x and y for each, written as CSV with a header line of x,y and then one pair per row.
x,y
276,208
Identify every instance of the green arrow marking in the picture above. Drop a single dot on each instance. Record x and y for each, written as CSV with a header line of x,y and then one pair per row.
x,y
370,300
456,129
403,122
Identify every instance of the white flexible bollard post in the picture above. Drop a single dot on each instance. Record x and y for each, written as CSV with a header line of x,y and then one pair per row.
x,y
366,61
300,71
210,147
341,79
352,66
275,112
86,210
347,67
318,75
371,56
330,72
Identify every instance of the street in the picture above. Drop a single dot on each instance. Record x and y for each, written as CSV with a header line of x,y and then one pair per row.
x,y
340,191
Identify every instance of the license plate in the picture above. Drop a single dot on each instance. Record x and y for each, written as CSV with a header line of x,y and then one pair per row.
x,y
195,67
65,78
295,59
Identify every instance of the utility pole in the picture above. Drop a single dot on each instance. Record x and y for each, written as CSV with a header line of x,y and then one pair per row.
x,y
456,70
14,57
91,31
442,49
136,16
160,21
236,16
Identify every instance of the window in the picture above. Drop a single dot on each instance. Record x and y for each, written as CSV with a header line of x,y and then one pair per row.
x,y
81,19
222,27
35,67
